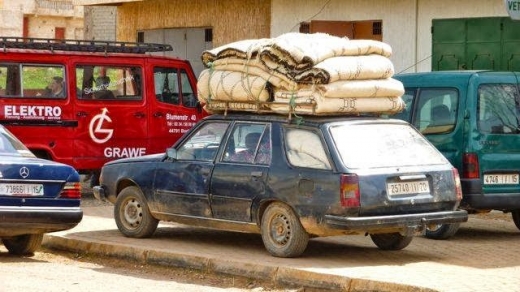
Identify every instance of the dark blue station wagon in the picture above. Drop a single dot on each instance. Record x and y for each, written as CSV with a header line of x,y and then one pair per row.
x,y
289,180
37,196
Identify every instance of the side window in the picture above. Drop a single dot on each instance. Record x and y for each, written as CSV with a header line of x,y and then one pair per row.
x,y
249,143
498,108
436,110
204,144
108,82
32,81
304,148
188,97
166,85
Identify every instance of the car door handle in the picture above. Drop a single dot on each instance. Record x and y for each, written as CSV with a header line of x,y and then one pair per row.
x,y
158,115
256,174
139,115
81,114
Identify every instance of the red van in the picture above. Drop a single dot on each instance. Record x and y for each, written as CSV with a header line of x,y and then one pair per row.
x,y
84,103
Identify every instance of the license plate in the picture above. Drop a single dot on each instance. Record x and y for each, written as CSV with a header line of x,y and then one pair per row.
x,y
408,188
501,179
21,189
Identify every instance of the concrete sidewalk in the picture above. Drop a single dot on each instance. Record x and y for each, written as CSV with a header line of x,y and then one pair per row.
x,y
483,256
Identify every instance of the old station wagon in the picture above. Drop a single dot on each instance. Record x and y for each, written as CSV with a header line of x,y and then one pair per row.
x,y
289,181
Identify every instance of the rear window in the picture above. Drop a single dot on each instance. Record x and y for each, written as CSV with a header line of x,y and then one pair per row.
x,y
498,108
383,145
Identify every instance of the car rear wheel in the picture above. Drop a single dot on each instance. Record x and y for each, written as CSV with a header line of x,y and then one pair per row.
x,y
23,244
516,218
133,218
282,232
442,231
391,241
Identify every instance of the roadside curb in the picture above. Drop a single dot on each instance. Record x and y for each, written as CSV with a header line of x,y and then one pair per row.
x,y
275,274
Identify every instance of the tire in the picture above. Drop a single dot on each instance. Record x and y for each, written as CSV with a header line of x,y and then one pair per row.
x,y
516,218
282,233
442,231
391,241
133,218
25,244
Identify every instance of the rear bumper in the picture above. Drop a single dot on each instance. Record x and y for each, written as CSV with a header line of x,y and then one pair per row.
x,y
474,198
410,222
25,220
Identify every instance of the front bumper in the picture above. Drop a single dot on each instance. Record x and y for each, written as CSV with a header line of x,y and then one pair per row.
x,y
99,193
16,220
409,222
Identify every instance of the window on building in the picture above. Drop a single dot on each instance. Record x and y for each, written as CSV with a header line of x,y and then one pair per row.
x,y
368,29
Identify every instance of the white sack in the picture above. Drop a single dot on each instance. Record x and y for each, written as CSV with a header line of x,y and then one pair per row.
x,y
230,86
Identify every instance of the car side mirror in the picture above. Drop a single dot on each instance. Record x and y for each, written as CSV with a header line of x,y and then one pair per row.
x,y
171,153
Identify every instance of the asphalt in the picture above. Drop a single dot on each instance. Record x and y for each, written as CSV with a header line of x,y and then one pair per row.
x,y
483,255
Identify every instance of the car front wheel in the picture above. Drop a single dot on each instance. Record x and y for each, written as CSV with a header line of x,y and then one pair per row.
x,y
282,233
391,241
133,218
442,231
23,244
516,218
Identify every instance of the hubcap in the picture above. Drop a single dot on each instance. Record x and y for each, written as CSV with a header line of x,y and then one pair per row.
x,y
280,229
133,213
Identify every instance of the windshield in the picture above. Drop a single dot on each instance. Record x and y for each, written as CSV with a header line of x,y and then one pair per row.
x,y
383,145
10,145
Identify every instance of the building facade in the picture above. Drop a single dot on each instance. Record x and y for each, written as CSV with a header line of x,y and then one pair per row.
x,y
406,25
41,19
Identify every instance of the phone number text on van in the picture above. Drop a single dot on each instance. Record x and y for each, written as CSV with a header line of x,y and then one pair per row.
x,y
37,112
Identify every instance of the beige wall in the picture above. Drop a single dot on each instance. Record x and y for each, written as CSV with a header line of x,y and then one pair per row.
x,y
44,27
407,34
231,20
41,21
100,23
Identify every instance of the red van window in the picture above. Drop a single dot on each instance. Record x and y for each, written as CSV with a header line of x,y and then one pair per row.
x,y
32,80
167,89
188,97
108,82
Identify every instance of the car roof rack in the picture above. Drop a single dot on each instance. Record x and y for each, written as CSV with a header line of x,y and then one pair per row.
x,y
81,45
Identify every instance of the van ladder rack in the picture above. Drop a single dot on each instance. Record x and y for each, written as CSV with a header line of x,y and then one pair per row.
x,y
81,45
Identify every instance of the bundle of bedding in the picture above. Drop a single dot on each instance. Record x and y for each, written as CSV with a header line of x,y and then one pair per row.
x,y
300,73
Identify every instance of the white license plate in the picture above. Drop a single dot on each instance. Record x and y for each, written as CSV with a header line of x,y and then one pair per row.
x,y
501,179
21,189
407,188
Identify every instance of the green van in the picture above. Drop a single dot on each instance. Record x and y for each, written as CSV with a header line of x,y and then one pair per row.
x,y
473,118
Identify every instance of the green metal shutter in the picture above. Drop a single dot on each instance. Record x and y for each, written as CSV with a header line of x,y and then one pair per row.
x,y
491,43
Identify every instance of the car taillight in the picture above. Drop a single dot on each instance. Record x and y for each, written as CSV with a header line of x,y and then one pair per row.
x,y
349,190
470,168
458,187
71,191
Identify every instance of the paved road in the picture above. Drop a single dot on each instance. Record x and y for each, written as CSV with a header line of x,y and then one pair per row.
x,y
483,256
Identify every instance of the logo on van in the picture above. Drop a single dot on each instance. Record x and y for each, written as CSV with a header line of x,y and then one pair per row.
x,y
99,134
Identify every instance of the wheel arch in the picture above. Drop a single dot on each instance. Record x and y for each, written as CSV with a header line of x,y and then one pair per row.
x,y
42,153
124,183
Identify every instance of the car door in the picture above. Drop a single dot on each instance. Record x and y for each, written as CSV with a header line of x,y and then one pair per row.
x,y
181,185
242,173
111,113
173,107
